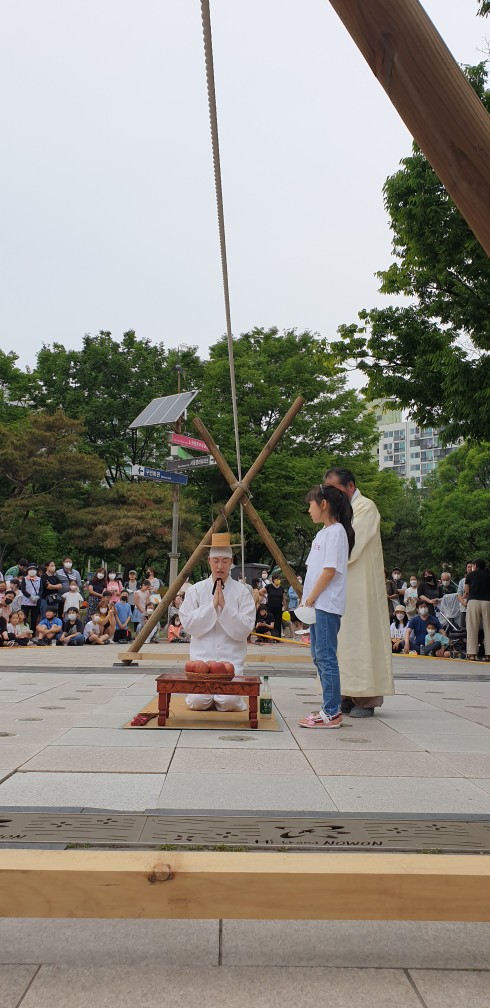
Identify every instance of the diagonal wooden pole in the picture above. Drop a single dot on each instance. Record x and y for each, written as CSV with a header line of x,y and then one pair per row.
x,y
238,494
431,94
249,509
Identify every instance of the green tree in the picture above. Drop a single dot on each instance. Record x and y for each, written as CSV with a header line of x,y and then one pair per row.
x,y
106,385
272,368
131,524
45,477
431,356
455,517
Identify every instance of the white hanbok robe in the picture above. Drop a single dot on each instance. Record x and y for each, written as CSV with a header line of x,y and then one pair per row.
x,y
218,634
364,642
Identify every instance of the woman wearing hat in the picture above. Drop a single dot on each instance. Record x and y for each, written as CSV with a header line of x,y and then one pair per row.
x,y
219,615
398,627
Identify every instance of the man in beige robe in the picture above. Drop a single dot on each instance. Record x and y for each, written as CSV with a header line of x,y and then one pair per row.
x,y
364,643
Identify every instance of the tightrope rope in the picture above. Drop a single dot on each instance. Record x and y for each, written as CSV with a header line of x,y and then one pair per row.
x,y
213,119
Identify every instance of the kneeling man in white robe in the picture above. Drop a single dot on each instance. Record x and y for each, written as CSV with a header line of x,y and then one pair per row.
x,y
219,615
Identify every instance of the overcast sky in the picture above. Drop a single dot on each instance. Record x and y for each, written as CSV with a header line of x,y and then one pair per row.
x,y
107,199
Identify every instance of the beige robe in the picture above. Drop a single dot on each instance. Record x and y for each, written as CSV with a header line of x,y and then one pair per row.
x,y
364,643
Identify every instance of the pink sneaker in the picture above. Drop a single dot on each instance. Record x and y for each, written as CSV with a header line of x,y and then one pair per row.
x,y
321,720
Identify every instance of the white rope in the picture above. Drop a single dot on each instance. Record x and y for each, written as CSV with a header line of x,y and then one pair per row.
x,y
213,117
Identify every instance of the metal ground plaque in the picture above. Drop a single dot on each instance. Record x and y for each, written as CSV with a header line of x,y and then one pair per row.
x,y
273,832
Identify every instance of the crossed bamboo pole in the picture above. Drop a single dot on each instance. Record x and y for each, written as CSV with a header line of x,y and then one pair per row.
x,y
240,491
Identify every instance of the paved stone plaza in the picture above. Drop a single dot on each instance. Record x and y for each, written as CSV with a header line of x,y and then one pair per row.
x,y
62,747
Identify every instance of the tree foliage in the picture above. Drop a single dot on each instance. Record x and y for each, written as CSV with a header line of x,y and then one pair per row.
x,y
432,355
45,476
456,508
106,385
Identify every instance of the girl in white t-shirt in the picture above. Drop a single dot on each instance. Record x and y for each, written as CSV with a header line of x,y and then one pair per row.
x,y
325,588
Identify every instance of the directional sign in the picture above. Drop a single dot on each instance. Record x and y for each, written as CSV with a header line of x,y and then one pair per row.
x,y
160,475
188,442
178,465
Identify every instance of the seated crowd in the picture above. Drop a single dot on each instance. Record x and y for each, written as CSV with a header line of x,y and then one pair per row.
x,y
424,610
49,605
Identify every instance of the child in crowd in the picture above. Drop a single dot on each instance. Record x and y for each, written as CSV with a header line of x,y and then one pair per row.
x,y
150,609
176,633
141,600
100,629
72,629
22,633
436,642
114,585
410,597
122,613
397,629
264,624
50,628
72,598
131,587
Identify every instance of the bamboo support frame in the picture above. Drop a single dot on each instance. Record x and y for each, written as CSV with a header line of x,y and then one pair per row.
x,y
238,494
432,96
253,886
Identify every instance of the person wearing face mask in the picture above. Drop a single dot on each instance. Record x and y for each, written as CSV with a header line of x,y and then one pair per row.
x,y
122,613
50,587
448,603
131,587
399,583
435,642
97,585
151,575
150,609
114,585
463,601
100,629
72,635
410,596
416,630
428,590
30,587
72,598
275,593
66,573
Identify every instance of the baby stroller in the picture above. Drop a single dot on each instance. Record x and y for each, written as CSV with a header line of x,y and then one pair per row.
x,y
455,631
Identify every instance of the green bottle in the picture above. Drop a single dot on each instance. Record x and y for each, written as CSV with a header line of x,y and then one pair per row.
x,y
265,704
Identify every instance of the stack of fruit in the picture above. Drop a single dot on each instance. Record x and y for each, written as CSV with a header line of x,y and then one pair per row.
x,y
209,670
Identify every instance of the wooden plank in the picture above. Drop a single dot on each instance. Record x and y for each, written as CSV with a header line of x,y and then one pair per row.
x,y
174,657
432,96
245,886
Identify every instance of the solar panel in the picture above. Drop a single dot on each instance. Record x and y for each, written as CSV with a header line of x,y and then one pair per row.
x,y
165,410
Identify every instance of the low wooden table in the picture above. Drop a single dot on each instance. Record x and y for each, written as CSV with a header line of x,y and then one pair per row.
x,y
177,682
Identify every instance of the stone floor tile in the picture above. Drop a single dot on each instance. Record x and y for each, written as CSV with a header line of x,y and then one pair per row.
x,y
260,761
358,738
104,942
468,764
14,981
406,794
377,764
235,987
483,782
122,792
380,944
101,759
470,743
452,989
230,739
242,791
17,755
150,738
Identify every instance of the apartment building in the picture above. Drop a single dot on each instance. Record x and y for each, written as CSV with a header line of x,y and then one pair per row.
x,y
410,451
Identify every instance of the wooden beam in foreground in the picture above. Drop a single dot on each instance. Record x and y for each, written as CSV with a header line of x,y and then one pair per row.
x,y
171,658
246,886
432,96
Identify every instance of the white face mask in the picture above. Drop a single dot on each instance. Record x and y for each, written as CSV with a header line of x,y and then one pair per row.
x,y
72,617
112,577
399,615
423,611
103,611
431,632
413,584
100,576
32,573
68,565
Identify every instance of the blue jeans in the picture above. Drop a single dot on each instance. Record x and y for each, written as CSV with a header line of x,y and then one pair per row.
x,y
323,646
77,640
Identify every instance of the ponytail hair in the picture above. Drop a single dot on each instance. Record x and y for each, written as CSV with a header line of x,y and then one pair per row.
x,y
339,505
